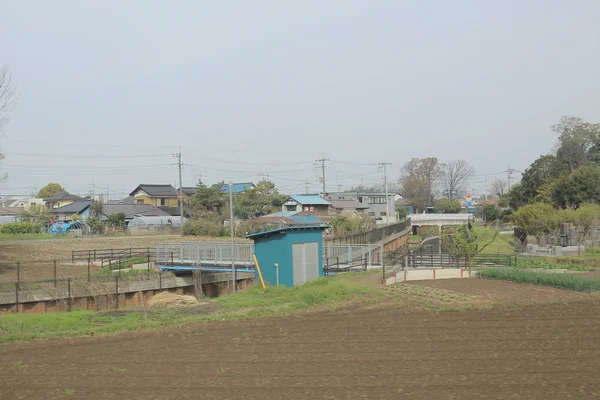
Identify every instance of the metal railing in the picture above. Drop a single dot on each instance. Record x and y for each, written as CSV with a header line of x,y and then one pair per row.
x,y
431,259
342,253
198,253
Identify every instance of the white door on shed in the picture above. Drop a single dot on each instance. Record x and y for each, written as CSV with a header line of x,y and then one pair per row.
x,y
305,258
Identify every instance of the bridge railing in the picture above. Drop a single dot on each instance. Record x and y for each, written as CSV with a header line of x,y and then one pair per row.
x,y
193,253
458,218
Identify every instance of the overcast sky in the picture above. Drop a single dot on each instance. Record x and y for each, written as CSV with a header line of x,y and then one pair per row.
x,y
109,90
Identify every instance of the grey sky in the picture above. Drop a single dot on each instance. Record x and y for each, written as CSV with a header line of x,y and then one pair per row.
x,y
276,82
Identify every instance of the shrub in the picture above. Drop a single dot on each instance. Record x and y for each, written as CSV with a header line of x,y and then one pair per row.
x,y
97,227
21,228
559,281
203,227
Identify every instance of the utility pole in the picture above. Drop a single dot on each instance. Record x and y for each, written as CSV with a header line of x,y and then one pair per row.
x,y
306,185
383,166
509,172
322,160
179,164
233,272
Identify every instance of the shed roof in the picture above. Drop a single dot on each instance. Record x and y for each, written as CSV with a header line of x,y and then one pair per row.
x,y
163,220
288,228
156,190
73,208
309,199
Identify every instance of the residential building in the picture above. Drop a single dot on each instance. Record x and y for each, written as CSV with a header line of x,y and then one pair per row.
x,y
308,203
155,195
84,210
80,207
61,200
132,210
376,202
348,207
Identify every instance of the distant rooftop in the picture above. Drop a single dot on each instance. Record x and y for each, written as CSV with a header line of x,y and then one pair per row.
x,y
309,199
156,190
62,196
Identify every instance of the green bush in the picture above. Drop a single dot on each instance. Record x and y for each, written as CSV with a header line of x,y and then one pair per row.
x,y
559,281
97,227
21,228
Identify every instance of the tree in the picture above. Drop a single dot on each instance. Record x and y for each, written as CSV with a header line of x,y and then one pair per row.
x,y
419,176
7,96
211,198
454,178
401,212
578,142
586,218
491,212
96,226
582,186
465,242
538,178
447,206
117,221
498,187
538,219
262,199
51,189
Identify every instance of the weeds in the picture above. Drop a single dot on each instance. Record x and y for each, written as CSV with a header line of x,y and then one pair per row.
x,y
528,262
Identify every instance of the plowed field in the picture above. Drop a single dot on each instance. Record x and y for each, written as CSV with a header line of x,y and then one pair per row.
x,y
541,351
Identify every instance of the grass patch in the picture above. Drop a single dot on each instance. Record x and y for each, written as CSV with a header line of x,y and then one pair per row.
x,y
542,263
559,281
281,299
251,303
502,244
33,237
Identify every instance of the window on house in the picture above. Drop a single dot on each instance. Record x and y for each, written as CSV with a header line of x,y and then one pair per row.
x,y
140,202
382,213
377,200
371,213
163,202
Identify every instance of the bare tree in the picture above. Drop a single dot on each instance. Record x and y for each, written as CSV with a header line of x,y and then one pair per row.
x,y
454,178
498,187
419,177
7,96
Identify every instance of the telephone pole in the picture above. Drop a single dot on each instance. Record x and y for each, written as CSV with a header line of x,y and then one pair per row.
x,y
231,232
322,160
178,155
306,185
383,166
510,171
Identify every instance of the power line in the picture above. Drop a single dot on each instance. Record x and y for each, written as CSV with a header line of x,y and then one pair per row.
x,y
384,165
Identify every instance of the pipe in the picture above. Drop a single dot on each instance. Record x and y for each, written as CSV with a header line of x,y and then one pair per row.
x,y
262,281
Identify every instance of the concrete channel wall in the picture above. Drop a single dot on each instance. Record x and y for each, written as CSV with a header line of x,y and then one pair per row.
x,y
426,274
105,296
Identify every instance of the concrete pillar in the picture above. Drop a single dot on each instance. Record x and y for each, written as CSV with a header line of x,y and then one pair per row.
x,y
440,241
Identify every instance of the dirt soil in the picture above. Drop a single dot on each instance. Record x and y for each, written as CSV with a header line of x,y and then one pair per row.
x,y
505,293
539,351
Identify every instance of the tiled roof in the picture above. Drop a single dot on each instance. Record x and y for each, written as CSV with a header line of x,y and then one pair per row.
x,y
73,208
309,199
156,190
62,196
133,209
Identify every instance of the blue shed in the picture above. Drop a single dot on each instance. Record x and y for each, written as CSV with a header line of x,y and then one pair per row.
x,y
290,256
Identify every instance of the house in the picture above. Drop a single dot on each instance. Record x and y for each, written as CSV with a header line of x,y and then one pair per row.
x,y
155,195
132,210
80,207
376,202
348,207
61,200
308,203
406,203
